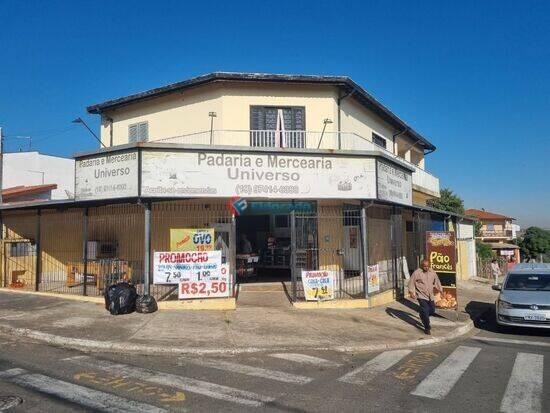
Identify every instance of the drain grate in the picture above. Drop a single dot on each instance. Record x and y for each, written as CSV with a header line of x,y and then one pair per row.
x,y
7,402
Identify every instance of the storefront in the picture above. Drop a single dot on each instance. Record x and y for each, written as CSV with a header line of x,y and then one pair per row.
x,y
273,216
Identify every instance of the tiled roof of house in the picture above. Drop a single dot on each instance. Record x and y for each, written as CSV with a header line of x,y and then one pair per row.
x,y
482,214
17,191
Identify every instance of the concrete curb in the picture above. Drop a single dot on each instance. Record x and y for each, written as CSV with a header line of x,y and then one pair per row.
x,y
125,347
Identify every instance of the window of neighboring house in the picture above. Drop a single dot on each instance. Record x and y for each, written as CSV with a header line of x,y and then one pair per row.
x,y
490,227
378,140
138,132
22,249
265,120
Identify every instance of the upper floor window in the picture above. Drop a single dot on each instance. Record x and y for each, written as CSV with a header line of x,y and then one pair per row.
x,y
273,126
378,140
138,132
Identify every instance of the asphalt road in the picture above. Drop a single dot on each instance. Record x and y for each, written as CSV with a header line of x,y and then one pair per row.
x,y
485,372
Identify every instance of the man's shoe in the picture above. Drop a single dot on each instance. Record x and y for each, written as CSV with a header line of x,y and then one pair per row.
x,y
427,331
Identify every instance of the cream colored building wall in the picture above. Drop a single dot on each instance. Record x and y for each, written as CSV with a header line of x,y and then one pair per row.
x,y
186,112
319,103
177,114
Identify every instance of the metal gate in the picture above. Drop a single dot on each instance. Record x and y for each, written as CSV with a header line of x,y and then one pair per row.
x,y
19,264
328,240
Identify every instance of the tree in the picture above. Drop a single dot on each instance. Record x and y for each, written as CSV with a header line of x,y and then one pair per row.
x,y
535,242
448,201
483,250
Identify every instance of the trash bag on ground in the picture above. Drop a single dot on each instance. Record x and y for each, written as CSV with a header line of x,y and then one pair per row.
x,y
146,304
121,298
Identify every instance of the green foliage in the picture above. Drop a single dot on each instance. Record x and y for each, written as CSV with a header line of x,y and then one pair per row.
x,y
448,201
535,242
477,228
483,250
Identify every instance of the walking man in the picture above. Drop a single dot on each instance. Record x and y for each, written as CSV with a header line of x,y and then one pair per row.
x,y
421,288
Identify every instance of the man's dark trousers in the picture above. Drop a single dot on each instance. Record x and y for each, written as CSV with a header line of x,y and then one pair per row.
x,y
427,308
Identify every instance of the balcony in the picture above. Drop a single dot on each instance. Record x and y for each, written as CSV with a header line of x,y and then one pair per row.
x,y
297,139
507,234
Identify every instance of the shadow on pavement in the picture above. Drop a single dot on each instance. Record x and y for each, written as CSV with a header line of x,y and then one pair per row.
x,y
404,316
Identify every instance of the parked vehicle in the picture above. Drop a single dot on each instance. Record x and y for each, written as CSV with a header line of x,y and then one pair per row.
x,y
524,299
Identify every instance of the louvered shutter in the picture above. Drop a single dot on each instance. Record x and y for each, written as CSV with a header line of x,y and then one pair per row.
x,y
143,132
132,133
299,119
270,118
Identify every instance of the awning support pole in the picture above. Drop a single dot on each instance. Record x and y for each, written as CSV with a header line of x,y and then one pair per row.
x,y
147,250
364,250
85,251
38,266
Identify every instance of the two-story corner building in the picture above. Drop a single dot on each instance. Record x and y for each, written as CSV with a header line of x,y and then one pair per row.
x,y
498,231
291,173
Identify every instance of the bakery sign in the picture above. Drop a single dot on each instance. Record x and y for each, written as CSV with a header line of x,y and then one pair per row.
x,y
441,250
107,176
263,175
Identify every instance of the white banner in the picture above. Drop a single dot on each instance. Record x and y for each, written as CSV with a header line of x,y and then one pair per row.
x,y
177,266
107,176
394,184
212,174
373,277
212,287
318,285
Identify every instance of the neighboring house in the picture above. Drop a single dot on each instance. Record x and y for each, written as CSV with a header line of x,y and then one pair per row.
x,y
266,110
33,169
497,230
34,193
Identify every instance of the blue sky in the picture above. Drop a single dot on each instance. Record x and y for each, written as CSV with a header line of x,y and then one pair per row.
x,y
473,77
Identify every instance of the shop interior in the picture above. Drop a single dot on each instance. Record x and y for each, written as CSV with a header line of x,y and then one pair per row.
x,y
264,243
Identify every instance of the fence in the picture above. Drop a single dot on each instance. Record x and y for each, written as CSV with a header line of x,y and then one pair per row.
x,y
484,269
81,251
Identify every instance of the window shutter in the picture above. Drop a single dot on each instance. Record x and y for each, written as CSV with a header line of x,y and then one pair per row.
x,y
132,133
257,118
143,131
270,118
299,119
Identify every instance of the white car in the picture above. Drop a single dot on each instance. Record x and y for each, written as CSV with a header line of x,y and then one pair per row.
x,y
524,299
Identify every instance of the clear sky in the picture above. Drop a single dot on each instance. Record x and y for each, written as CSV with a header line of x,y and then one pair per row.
x,y
471,76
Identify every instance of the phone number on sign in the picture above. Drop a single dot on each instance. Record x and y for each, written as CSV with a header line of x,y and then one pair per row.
x,y
202,289
266,189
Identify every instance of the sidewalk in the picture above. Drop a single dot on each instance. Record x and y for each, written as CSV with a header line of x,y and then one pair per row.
x,y
90,327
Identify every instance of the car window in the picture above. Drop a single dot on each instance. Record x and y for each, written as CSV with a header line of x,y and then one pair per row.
x,y
528,282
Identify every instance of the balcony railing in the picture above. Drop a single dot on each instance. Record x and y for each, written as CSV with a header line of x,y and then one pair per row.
x,y
421,179
496,234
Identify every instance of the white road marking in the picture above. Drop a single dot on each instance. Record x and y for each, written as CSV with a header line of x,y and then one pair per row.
x,y
524,391
369,370
80,395
441,380
512,341
250,370
305,359
204,388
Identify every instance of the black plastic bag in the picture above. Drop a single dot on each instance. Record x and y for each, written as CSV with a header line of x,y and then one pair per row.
x,y
121,298
146,304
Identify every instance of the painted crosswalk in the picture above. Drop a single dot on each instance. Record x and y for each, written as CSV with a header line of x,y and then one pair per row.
x,y
250,370
441,380
191,385
369,370
524,390
305,359
93,399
